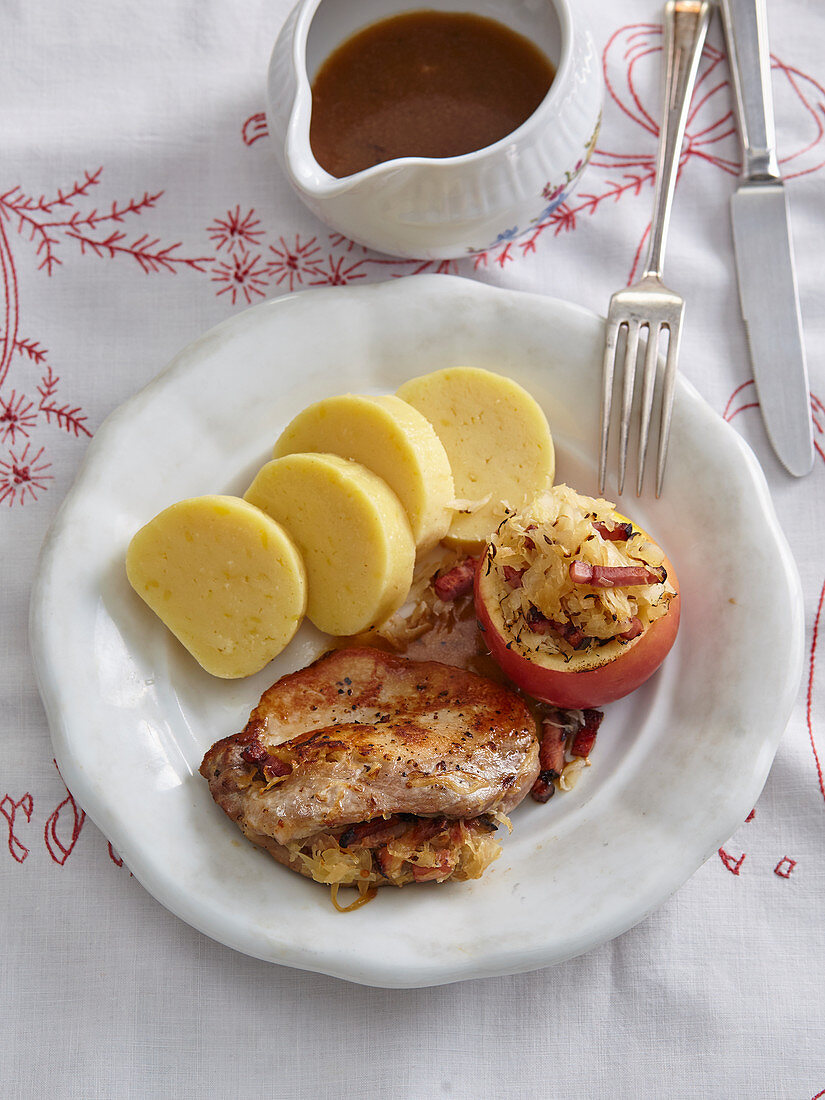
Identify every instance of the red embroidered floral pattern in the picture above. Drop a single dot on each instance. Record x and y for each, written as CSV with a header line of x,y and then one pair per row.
x,y
23,475
292,264
733,865
49,225
241,275
784,867
235,231
9,808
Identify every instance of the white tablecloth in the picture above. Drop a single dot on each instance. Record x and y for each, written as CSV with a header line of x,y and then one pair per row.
x,y
140,204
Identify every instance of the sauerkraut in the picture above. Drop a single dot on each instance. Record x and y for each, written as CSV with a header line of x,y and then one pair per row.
x,y
417,850
543,608
422,607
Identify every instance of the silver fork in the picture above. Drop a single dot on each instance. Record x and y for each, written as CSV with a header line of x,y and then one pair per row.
x,y
648,304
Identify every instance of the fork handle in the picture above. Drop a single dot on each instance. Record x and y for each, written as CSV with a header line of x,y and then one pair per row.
x,y
685,28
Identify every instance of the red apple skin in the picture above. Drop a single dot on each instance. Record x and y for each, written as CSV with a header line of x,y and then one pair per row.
x,y
580,687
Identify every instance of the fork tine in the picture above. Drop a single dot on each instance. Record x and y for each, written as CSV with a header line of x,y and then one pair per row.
x,y
667,397
648,303
648,385
628,384
610,341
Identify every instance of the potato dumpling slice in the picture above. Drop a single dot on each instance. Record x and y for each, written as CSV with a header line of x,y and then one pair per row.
x,y
496,438
226,579
392,439
352,533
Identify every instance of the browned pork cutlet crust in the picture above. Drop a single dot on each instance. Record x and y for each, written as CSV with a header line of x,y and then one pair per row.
x,y
361,734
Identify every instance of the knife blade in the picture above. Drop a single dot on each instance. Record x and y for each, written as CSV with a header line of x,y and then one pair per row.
x,y
763,248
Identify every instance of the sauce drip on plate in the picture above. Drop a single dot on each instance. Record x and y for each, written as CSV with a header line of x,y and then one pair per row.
x,y
426,84
453,639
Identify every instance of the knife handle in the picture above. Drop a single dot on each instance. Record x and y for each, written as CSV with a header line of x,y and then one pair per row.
x,y
685,28
746,33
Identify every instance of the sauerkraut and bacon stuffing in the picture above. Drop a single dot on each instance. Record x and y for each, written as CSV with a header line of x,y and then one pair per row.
x,y
392,851
568,576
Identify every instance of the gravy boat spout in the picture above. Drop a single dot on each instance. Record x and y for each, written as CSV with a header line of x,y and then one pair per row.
x,y
306,175
440,208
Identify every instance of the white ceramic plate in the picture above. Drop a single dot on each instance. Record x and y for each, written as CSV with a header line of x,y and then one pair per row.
x,y
676,768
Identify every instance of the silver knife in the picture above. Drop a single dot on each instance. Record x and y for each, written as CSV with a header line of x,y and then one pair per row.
x,y
762,242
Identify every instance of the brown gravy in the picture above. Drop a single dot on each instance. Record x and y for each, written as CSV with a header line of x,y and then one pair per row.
x,y
427,84
454,639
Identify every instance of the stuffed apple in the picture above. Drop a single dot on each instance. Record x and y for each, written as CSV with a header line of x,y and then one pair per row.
x,y
577,604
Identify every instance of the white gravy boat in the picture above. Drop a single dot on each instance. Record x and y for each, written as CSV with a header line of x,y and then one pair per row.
x,y
441,208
